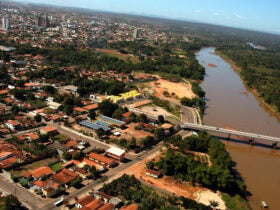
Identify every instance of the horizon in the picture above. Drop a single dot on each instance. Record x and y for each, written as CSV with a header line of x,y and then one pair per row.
x,y
263,19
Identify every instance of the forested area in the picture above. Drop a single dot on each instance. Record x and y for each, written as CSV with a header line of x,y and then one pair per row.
x,y
130,190
260,69
219,175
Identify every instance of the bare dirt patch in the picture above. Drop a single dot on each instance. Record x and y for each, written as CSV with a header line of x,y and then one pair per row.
x,y
175,90
130,132
155,110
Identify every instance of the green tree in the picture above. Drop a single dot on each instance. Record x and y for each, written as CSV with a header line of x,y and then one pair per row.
x,y
49,89
159,133
92,114
12,203
100,132
38,118
107,108
142,118
161,119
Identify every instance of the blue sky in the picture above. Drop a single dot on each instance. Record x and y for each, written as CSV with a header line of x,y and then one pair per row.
x,y
262,15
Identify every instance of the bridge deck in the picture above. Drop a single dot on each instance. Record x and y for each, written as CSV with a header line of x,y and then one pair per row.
x,y
230,132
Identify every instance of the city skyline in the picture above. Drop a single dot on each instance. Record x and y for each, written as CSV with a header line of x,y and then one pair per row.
x,y
255,15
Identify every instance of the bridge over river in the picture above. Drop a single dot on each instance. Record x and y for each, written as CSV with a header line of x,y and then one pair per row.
x,y
251,136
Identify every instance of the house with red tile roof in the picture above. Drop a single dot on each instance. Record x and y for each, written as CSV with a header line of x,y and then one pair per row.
x,y
48,130
39,172
89,203
80,110
91,107
13,125
132,206
65,176
48,187
107,206
7,163
5,155
92,163
102,159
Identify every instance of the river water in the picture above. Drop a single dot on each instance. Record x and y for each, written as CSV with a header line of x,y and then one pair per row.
x,y
231,105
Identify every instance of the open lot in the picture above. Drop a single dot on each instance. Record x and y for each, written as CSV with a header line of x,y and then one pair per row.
x,y
29,167
155,110
117,54
181,89
130,132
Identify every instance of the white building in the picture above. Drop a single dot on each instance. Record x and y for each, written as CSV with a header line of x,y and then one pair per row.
x,y
5,23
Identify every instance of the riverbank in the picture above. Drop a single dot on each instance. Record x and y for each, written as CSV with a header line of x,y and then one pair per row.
x,y
238,69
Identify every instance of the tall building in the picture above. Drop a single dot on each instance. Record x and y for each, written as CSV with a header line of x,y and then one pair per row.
x,y
5,23
47,21
39,21
136,33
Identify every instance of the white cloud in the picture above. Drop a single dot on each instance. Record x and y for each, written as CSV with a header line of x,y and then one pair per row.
x,y
197,11
215,13
240,16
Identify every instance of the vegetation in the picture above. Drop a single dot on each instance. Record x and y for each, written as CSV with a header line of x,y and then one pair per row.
x,y
260,70
184,166
130,190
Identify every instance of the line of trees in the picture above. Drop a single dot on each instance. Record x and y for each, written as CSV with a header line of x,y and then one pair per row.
x,y
129,188
186,167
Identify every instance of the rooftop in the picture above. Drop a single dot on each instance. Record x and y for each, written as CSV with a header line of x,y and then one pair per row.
x,y
116,151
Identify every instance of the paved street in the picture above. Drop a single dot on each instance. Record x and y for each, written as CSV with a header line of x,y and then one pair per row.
x,y
27,198
110,175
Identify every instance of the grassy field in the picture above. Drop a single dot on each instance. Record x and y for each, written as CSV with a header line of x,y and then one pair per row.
x,y
29,167
57,166
236,202
116,54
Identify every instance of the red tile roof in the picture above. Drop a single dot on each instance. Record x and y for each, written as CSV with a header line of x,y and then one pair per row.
x,y
39,172
102,159
94,205
107,206
91,107
13,122
133,206
49,129
65,176
127,114
89,162
80,109
8,162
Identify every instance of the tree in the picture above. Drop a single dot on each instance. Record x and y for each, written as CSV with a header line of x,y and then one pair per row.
x,y
100,132
214,204
12,203
161,119
107,108
92,114
159,133
118,113
78,155
38,118
150,164
66,156
76,182
49,89
142,118
94,174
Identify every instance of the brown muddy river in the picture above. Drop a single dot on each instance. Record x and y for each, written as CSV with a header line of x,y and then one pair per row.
x,y
231,105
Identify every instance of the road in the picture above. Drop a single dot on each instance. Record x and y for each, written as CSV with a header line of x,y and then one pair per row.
x,y
92,140
110,175
27,198
230,132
